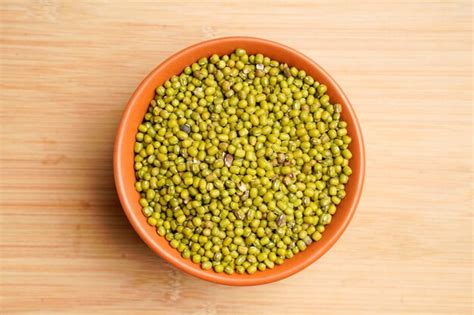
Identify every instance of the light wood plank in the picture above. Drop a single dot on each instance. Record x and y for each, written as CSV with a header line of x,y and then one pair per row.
x,y
67,71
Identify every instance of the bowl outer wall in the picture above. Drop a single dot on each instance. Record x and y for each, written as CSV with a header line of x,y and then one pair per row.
x,y
133,115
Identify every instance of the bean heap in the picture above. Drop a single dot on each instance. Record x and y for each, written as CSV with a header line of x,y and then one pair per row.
x,y
241,161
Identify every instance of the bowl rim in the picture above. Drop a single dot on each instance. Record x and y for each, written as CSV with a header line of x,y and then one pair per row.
x,y
198,272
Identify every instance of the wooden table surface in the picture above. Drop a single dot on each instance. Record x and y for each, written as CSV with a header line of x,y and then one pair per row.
x,y
67,71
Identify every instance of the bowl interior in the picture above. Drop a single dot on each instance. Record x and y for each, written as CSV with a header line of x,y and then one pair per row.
x,y
136,109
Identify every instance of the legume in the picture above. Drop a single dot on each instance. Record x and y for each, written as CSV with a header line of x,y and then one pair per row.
x,y
241,161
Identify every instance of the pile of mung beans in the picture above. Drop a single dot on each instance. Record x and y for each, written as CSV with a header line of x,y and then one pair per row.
x,y
241,162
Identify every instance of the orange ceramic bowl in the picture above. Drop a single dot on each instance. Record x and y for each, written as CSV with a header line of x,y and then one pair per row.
x,y
136,109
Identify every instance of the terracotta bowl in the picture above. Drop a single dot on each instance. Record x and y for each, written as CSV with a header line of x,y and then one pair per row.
x,y
136,109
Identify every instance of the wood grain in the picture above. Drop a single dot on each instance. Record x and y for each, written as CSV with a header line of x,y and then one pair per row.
x,y
67,71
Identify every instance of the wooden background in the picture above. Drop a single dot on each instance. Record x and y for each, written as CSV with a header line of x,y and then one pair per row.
x,y
67,71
